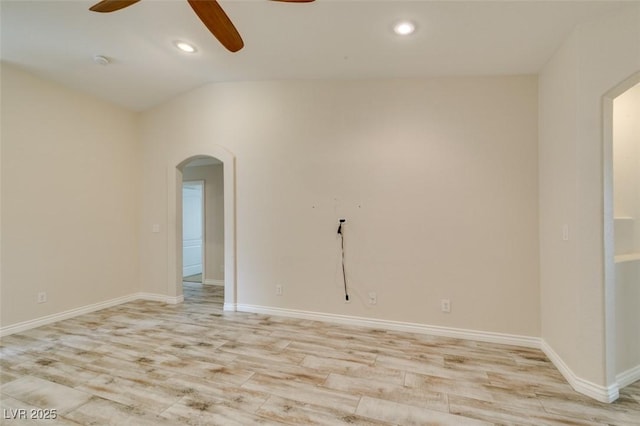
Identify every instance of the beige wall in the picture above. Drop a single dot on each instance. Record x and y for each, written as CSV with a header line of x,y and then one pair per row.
x,y
214,218
594,59
437,179
69,199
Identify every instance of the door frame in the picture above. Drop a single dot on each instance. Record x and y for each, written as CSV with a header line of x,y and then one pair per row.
x,y
174,221
203,247
608,239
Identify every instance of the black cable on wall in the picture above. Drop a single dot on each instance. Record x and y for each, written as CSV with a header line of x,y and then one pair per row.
x,y
344,274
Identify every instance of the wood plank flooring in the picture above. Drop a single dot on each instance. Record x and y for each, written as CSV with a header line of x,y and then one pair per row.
x,y
147,363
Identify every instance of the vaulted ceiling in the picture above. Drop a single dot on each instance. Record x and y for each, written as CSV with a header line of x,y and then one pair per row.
x,y
327,39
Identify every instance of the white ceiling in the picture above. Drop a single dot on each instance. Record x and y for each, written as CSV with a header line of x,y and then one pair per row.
x,y
328,39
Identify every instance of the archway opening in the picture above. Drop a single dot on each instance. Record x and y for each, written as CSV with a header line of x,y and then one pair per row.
x,y
217,166
203,231
622,231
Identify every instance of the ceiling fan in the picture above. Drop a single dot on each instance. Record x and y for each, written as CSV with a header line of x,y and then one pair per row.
x,y
210,13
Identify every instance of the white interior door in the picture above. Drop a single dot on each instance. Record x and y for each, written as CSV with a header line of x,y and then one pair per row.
x,y
192,227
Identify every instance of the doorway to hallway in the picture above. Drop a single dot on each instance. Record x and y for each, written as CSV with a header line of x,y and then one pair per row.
x,y
202,225
181,168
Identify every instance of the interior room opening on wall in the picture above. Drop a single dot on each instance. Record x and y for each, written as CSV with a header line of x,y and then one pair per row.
x,y
626,216
203,230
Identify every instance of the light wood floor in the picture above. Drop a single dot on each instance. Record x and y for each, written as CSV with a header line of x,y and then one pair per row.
x,y
146,363
196,278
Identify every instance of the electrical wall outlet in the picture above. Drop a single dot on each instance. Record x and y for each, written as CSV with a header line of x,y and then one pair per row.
x,y
445,305
278,290
373,298
42,297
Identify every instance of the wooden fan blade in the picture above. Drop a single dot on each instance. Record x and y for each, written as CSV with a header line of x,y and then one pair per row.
x,y
111,5
214,18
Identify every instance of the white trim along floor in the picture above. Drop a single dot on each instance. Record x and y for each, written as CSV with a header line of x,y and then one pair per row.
x,y
146,362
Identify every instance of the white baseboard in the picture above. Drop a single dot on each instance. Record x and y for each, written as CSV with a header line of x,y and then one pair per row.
x,y
595,391
483,336
50,319
590,389
154,297
214,282
628,377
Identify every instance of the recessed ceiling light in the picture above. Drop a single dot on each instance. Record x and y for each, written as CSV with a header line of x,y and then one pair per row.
x,y
185,47
404,28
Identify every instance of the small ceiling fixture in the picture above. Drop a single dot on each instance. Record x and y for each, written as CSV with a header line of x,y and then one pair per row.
x,y
101,60
185,47
404,28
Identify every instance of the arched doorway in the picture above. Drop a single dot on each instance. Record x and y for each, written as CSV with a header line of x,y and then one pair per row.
x,y
174,220
622,322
